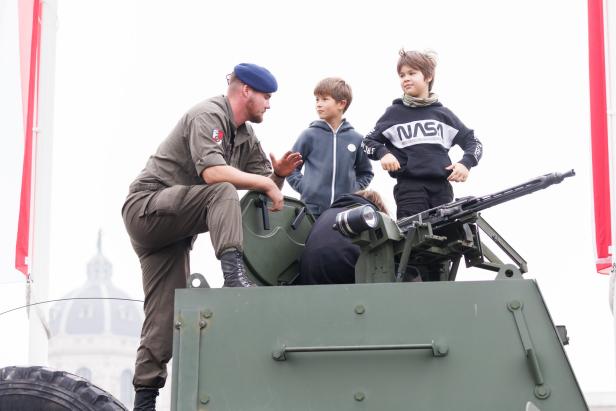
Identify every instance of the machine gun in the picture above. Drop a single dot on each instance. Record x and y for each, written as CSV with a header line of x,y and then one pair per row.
x,y
438,236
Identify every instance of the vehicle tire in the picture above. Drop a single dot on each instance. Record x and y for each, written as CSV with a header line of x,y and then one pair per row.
x,y
41,388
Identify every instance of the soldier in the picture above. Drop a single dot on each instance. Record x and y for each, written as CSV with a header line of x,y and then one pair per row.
x,y
189,187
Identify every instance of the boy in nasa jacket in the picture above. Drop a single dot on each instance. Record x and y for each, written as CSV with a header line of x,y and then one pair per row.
x,y
412,140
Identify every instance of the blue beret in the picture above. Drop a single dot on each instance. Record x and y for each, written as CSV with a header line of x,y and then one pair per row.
x,y
257,77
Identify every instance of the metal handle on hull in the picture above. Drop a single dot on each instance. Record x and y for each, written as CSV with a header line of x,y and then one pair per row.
x,y
439,349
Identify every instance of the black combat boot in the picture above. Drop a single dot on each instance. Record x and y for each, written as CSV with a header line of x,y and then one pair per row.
x,y
233,270
145,399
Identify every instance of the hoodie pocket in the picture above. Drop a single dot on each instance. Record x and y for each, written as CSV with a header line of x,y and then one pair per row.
x,y
427,165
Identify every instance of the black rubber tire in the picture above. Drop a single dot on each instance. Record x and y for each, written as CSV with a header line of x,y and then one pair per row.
x,y
41,388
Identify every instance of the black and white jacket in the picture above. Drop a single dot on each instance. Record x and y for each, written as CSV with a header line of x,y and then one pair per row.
x,y
420,138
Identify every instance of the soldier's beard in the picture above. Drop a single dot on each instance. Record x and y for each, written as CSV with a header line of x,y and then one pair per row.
x,y
255,116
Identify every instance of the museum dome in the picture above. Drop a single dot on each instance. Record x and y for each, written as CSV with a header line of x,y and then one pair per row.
x,y
97,307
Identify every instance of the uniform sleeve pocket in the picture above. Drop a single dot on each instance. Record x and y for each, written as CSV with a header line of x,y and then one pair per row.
x,y
167,202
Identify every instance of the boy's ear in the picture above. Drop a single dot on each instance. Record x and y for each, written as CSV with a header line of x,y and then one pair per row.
x,y
344,104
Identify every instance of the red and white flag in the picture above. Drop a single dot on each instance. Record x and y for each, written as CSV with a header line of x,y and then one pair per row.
x,y
599,137
29,45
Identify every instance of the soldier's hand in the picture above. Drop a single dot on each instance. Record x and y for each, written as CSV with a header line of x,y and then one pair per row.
x,y
459,172
285,166
274,194
390,163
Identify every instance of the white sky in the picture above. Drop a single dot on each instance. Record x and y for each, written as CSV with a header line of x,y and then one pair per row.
x,y
514,71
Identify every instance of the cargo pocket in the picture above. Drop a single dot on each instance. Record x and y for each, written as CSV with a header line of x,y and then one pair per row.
x,y
167,202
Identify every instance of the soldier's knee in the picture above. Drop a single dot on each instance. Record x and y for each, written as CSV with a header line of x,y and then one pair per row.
x,y
226,191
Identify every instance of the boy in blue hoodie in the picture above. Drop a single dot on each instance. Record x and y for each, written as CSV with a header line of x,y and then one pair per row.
x,y
334,163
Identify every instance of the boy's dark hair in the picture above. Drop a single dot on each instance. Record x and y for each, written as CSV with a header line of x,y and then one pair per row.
x,y
335,87
373,197
424,62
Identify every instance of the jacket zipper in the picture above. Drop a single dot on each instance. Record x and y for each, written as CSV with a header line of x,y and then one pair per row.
x,y
334,162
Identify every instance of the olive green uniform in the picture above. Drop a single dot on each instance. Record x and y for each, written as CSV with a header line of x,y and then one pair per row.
x,y
169,204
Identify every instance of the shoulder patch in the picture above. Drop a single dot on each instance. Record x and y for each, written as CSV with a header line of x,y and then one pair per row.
x,y
217,135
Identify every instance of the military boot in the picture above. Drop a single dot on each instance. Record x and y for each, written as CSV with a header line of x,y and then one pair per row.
x,y
233,270
145,399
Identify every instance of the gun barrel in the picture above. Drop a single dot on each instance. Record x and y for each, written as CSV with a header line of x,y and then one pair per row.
x,y
555,178
469,205
541,182
569,173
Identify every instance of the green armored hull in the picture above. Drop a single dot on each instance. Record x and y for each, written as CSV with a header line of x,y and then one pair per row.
x,y
414,346
380,344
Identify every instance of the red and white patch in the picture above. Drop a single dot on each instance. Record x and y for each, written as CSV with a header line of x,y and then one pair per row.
x,y
217,135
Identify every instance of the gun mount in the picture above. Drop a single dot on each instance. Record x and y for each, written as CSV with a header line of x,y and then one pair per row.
x,y
441,235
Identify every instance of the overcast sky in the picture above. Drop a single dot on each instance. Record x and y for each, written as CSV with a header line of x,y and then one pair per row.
x,y
126,71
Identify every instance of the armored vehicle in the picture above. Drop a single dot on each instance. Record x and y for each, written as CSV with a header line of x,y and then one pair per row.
x,y
382,343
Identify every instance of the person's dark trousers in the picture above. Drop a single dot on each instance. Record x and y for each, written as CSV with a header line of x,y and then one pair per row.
x,y
145,399
161,226
414,196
